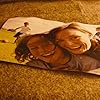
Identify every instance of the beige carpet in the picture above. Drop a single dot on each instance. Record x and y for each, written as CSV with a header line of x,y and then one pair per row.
x,y
19,82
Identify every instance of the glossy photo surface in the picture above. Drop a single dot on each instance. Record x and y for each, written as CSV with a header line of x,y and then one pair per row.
x,y
49,44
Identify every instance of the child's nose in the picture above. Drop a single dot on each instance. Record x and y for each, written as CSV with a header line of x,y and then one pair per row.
x,y
41,51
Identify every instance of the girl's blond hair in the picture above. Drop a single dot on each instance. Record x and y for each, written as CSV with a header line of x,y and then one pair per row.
x,y
79,28
74,25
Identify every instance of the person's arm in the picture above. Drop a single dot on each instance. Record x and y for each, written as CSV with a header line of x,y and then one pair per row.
x,y
13,30
17,28
38,64
41,64
29,28
95,43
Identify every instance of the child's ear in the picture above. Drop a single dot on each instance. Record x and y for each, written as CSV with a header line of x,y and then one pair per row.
x,y
43,37
57,40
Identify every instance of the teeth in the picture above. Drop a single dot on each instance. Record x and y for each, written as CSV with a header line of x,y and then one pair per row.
x,y
50,53
76,47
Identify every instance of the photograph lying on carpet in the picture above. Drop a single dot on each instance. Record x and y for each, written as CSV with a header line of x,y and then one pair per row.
x,y
51,44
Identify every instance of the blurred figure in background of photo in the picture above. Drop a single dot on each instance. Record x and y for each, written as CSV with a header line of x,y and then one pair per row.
x,y
23,31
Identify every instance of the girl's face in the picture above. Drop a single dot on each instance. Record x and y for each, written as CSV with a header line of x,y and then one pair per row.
x,y
45,50
73,40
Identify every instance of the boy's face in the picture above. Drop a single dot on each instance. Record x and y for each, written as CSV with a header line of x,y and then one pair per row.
x,y
45,50
73,40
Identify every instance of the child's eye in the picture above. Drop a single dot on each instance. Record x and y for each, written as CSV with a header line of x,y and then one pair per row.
x,y
76,37
59,40
34,48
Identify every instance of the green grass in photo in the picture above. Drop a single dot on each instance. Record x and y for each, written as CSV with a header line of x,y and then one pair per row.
x,y
7,49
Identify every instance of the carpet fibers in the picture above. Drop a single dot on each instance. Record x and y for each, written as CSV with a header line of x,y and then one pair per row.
x,y
19,82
